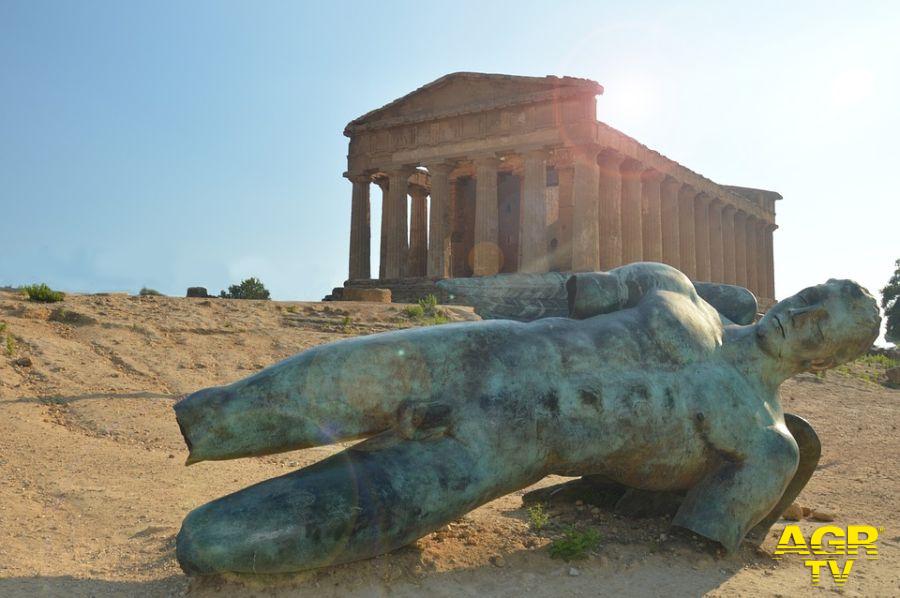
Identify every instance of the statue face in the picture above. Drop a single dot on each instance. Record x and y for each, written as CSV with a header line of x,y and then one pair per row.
x,y
821,326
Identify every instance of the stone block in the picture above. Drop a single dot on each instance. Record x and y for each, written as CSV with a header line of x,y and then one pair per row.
x,y
370,295
197,292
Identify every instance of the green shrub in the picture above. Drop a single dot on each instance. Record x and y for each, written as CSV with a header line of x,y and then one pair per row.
x,y
537,516
9,341
414,311
250,288
145,292
428,303
43,293
426,312
574,544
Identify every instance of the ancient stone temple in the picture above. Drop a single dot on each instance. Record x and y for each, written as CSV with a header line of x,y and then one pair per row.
x,y
482,173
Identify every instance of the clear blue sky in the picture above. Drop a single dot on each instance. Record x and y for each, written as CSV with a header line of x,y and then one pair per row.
x,y
170,144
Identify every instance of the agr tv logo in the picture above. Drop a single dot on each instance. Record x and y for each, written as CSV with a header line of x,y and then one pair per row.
x,y
830,542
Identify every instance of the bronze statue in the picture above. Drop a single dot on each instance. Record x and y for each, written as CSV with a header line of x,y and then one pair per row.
x,y
646,383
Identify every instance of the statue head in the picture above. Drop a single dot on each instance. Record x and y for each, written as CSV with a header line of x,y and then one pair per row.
x,y
821,326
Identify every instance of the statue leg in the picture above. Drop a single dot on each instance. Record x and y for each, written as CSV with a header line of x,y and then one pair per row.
x,y
740,491
370,499
810,451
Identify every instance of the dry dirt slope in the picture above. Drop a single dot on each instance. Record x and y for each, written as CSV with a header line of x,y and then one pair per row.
x,y
92,486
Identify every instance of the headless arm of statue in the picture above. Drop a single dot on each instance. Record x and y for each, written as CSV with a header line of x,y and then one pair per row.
x,y
594,293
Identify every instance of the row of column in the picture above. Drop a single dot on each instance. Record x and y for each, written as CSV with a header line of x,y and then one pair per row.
x,y
622,212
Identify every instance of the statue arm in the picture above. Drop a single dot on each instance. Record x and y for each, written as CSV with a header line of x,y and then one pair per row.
x,y
522,297
733,302
594,293
529,297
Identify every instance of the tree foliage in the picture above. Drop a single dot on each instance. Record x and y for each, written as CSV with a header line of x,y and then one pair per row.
x,y
251,288
890,303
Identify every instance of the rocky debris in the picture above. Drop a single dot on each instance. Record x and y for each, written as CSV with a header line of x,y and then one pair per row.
x,y
68,316
893,376
793,513
573,572
797,512
498,561
23,362
817,515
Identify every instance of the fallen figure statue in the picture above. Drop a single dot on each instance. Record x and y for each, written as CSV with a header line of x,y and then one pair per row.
x,y
650,382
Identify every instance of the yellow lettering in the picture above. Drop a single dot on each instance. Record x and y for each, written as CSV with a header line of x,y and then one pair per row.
x,y
840,575
855,540
815,566
837,546
797,543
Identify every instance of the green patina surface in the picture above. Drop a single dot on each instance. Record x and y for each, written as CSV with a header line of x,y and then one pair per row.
x,y
653,383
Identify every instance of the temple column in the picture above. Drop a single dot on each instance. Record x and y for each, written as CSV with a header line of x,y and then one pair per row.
x,y
728,268
762,262
701,236
770,260
651,219
439,231
632,227
397,237
740,249
382,183
533,236
486,253
716,257
360,233
686,241
585,210
418,231
752,255
668,205
610,209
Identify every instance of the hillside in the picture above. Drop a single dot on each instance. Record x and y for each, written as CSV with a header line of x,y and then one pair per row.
x,y
93,486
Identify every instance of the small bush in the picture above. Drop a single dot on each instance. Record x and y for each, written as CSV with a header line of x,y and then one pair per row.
x,y
251,288
345,323
145,292
574,544
426,312
414,311
537,516
42,293
9,341
428,303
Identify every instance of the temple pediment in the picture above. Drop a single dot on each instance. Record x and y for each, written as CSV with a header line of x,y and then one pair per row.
x,y
460,93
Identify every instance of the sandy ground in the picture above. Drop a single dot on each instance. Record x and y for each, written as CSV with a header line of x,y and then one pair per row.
x,y
93,487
